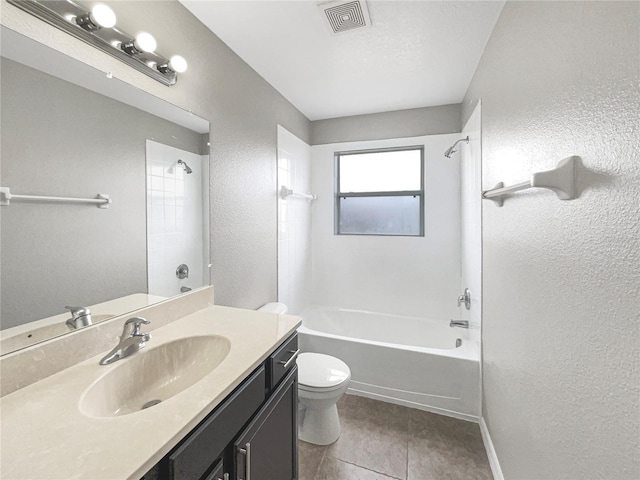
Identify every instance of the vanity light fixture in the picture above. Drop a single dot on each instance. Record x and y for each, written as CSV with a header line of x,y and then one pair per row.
x,y
97,27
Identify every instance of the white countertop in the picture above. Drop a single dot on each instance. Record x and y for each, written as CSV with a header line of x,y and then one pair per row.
x,y
44,435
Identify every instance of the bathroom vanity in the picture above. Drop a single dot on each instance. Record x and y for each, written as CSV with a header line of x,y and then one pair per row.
x,y
226,379
253,430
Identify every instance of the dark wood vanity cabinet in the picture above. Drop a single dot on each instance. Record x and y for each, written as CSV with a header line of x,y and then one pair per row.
x,y
267,448
251,435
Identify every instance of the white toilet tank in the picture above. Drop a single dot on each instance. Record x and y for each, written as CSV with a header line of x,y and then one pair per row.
x,y
274,307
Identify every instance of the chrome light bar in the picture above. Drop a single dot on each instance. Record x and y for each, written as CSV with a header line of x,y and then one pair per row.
x,y
76,20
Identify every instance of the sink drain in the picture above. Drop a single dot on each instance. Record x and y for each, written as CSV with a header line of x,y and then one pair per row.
x,y
150,403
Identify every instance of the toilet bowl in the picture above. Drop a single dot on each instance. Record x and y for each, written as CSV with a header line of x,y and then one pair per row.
x,y
322,380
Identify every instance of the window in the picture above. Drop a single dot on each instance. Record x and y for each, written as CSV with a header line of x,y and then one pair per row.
x,y
380,192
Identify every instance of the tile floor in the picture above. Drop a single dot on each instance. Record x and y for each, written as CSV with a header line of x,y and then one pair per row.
x,y
382,441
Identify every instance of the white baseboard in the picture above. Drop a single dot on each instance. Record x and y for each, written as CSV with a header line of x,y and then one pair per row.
x,y
491,452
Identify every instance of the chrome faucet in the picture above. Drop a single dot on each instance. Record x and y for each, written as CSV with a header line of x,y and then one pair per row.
x,y
131,340
459,323
80,317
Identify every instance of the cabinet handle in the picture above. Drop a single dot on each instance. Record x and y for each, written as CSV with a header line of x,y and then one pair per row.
x,y
246,451
293,357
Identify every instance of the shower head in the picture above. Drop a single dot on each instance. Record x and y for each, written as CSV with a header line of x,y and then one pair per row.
x,y
186,167
452,149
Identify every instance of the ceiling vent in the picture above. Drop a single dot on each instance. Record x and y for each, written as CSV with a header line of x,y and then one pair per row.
x,y
345,16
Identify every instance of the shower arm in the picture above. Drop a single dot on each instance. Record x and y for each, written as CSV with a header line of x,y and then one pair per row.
x,y
452,149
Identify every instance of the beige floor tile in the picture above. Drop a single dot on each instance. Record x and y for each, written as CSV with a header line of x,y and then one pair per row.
x,y
309,458
445,448
374,436
382,441
426,463
334,469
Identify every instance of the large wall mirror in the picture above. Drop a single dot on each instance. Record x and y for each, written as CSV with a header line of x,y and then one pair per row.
x,y
70,131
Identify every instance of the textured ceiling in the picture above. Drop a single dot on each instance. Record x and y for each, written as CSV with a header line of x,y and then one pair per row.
x,y
415,54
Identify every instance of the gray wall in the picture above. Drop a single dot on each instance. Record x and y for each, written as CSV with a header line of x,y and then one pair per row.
x,y
561,279
415,122
59,139
244,111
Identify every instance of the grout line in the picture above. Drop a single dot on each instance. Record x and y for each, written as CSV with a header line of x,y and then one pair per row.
x,y
324,454
368,469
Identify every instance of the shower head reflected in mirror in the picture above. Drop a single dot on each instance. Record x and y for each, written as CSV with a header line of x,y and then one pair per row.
x,y
452,149
185,166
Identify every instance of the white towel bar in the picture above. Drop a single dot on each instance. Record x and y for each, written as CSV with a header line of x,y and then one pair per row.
x,y
561,180
102,200
287,192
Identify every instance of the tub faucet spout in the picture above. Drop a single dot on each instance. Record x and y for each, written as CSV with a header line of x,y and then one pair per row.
x,y
459,323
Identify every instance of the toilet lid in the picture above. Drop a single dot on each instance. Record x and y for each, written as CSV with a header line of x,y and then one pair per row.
x,y
321,371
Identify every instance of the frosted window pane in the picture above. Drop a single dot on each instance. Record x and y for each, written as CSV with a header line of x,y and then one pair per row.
x,y
380,215
380,171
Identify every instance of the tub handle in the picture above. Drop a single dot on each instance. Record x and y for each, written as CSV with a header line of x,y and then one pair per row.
x,y
286,364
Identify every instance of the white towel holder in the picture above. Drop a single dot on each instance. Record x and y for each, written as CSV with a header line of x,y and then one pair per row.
x,y
101,201
562,180
287,192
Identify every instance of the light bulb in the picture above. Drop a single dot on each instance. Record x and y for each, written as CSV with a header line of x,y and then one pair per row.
x,y
103,16
100,16
145,42
178,64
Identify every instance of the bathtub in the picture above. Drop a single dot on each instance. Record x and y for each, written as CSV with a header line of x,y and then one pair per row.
x,y
409,361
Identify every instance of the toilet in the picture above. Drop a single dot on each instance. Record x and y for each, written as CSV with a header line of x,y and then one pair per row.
x,y
322,380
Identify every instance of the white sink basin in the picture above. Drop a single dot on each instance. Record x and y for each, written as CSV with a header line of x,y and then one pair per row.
x,y
153,375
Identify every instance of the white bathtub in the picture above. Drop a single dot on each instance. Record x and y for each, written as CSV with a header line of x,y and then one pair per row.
x,y
405,360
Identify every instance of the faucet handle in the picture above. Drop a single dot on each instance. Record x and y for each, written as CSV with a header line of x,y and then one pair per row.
x,y
78,311
465,298
136,322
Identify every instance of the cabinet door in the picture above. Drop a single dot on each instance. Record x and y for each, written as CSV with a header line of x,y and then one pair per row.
x,y
217,473
268,448
205,444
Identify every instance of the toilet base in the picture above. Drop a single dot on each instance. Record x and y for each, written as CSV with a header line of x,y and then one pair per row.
x,y
320,426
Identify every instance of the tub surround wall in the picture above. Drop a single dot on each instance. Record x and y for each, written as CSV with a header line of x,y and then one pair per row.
x,y
417,276
243,110
560,322
294,223
380,126
24,367
471,220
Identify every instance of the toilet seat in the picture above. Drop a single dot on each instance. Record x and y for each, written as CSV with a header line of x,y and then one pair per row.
x,y
321,373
